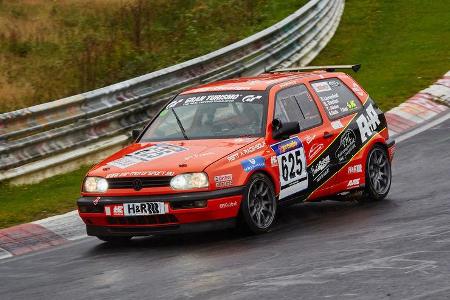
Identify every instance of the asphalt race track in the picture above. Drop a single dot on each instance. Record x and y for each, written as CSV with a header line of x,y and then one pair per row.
x,y
395,249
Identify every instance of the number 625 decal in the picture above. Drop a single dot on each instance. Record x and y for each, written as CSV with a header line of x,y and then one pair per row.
x,y
292,165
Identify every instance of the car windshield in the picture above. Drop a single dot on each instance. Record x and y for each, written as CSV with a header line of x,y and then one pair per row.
x,y
210,115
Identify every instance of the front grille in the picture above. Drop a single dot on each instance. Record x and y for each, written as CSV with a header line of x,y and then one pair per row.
x,y
138,183
142,220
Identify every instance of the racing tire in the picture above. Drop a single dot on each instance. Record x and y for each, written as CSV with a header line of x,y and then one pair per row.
x,y
115,239
259,205
378,174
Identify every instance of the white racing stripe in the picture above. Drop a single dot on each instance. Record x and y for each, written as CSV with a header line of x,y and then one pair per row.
x,y
421,128
4,254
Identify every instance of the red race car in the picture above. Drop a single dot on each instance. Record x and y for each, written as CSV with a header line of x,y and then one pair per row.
x,y
229,153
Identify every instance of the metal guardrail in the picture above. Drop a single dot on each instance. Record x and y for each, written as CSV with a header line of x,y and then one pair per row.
x,y
49,135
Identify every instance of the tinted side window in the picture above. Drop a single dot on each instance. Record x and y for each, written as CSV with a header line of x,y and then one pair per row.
x,y
296,104
337,99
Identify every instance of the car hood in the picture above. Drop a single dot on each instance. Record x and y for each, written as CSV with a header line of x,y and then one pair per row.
x,y
167,158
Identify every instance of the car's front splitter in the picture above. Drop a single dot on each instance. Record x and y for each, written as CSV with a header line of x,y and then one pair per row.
x,y
159,230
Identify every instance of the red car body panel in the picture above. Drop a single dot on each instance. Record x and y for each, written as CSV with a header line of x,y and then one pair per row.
x,y
222,159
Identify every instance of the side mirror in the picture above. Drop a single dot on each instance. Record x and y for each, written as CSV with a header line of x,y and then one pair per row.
x,y
284,130
135,133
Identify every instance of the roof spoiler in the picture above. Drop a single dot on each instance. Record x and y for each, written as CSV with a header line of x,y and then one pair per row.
x,y
355,68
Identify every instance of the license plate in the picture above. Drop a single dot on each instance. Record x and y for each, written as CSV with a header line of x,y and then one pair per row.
x,y
136,209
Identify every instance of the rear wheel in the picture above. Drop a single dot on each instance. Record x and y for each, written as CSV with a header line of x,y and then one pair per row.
x,y
378,174
115,239
259,205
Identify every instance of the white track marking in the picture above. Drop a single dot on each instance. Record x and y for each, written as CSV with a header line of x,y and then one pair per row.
x,y
405,136
4,253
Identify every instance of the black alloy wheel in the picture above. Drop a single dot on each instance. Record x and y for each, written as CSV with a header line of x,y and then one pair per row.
x,y
378,174
259,205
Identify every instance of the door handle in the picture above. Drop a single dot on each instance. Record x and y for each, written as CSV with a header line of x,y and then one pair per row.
x,y
327,135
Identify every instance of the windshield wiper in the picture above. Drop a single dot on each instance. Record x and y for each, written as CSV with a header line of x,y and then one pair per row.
x,y
179,124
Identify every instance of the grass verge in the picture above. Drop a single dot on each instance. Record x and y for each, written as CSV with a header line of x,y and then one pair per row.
x,y
54,49
403,46
32,202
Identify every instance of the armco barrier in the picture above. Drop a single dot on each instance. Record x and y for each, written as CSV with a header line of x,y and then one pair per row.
x,y
43,140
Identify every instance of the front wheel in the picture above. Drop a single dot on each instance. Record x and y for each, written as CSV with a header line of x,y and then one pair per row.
x,y
378,174
259,205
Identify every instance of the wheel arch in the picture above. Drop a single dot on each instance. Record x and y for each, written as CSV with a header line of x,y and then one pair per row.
x,y
365,154
377,142
270,176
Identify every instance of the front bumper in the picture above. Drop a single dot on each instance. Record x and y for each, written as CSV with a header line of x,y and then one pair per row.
x,y
220,212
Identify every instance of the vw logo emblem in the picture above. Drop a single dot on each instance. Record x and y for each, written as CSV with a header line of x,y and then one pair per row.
x,y
137,184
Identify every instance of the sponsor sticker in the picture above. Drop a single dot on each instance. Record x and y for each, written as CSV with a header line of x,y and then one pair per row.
x,y
347,144
353,183
114,210
96,200
337,124
222,88
351,104
255,163
309,138
357,89
288,83
221,98
136,209
368,122
331,104
140,174
199,155
331,99
321,169
246,151
226,97
228,204
251,98
321,86
354,169
314,150
223,180
174,103
146,154
334,83
286,145
274,161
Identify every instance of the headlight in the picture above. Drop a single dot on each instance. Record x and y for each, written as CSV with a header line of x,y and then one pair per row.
x,y
189,181
95,185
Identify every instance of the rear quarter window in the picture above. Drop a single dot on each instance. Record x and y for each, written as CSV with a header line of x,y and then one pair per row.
x,y
337,99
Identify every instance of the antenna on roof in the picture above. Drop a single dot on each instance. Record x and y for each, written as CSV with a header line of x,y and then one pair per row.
x,y
355,68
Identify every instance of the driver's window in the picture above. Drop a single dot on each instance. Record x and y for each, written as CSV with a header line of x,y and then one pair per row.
x,y
296,104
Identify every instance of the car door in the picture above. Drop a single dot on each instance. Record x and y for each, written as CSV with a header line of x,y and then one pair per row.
x,y
295,103
340,105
